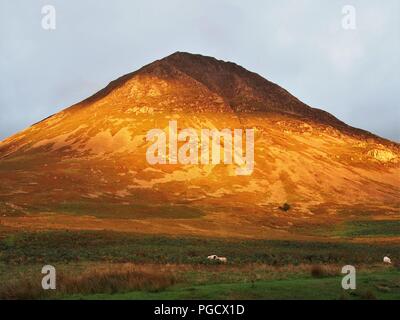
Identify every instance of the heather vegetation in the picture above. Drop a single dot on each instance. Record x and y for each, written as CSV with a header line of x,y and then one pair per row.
x,y
108,265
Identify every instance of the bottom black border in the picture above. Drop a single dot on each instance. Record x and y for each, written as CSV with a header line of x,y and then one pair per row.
x,y
197,309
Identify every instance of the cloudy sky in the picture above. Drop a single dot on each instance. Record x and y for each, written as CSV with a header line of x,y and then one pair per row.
x,y
299,44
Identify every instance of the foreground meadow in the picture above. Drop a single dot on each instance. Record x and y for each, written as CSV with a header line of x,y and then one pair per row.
x,y
113,265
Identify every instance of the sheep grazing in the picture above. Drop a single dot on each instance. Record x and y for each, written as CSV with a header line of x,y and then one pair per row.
x,y
220,259
387,260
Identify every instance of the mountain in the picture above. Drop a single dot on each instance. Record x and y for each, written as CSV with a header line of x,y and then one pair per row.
x,y
86,166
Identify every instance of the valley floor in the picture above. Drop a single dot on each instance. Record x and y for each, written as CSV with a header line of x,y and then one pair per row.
x,y
115,265
371,285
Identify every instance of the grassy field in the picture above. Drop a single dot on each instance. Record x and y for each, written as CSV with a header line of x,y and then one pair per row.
x,y
381,285
73,246
354,229
112,265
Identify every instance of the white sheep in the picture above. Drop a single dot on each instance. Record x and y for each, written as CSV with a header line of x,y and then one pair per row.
x,y
387,260
222,259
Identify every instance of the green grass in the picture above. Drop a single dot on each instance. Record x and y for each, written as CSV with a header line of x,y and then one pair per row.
x,y
85,281
387,228
256,269
384,285
72,246
354,229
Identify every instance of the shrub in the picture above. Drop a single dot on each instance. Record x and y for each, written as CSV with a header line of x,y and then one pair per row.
x,y
317,271
285,207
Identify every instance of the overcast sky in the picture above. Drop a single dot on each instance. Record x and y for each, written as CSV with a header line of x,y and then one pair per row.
x,y
299,44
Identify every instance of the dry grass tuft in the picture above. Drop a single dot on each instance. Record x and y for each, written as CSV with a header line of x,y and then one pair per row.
x,y
321,271
96,280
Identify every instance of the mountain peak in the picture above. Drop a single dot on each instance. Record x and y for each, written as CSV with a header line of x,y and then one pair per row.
x,y
187,55
241,89
191,63
183,55
184,60
187,82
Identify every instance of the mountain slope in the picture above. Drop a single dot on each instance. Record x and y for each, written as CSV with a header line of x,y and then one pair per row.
x,y
90,159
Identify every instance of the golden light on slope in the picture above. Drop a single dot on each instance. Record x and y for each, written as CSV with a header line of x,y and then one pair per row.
x,y
88,163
